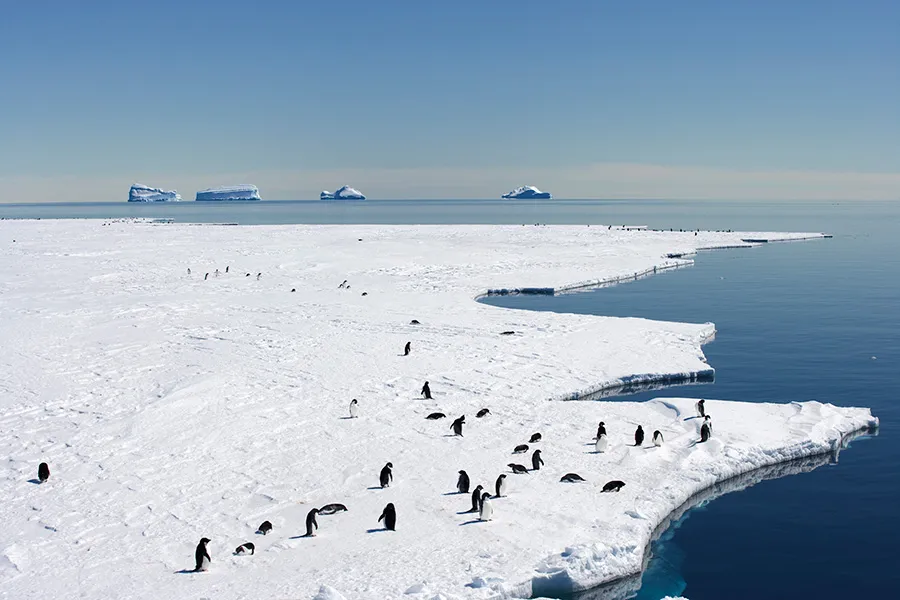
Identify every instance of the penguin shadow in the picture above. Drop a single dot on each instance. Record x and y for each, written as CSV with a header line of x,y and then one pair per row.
x,y
374,487
466,512
452,435
377,530
471,521
186,572
347,418
691,418
300,537
35,481
453,493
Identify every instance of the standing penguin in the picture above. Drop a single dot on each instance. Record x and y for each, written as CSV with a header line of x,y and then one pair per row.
x,y
205,277
476,499
189,270
701,408
601,430
354,408
536,460
311,524
387,475
704,433
43,472
407,348
500,486
462,484
201,556
602,443
657,438
426,391
389,516
708,421
486,513
639,436
456,426
226,269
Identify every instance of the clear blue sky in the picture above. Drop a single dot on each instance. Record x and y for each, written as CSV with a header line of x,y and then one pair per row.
x,y
304,95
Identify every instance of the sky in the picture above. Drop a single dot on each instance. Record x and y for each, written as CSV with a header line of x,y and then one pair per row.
x,y
720,100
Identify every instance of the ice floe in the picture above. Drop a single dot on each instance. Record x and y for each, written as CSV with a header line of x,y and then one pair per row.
x,y
143,193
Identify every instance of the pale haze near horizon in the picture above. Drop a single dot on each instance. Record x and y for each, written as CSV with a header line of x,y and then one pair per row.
x,y
700,100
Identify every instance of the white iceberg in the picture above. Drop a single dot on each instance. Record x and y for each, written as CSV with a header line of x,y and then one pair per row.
x,y
345,192
229,193
144,193
529,192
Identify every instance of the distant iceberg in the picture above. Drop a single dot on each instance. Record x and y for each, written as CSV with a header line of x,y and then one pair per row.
x,y
143,193
229,193
345,192
528,191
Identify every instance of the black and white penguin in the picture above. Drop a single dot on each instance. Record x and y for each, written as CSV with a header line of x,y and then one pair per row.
x,y
708,421
189,270
535,437
462,484
265,528
330,509
414,322
602,443
258,275
387,475
456,426
614,486
205,277
507,333
43,472
343,284
311,524
354,408
435,416
704,433
248,547
639,436
426,391
389,516
407,348
520,449
536,460
601,430
226,269
501,486
571,478
482,413
216,274
476,499
486,511
201,556
701,408
657,438
518,469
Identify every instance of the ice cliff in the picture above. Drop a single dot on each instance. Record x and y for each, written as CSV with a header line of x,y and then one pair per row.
x,y
345,192
229,193
527,191
143,193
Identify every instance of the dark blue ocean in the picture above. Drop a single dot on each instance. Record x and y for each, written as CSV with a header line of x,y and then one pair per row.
x,y
795,321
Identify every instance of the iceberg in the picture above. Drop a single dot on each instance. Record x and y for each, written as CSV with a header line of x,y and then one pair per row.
x,y
345,192
528,191
144,193
229,193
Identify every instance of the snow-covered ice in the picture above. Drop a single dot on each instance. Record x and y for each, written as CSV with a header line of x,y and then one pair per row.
x,y
172,406
229,192
143,193
345,192
527,191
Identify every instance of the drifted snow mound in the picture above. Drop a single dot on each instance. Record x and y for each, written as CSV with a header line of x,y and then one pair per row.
x,y
345,192
328,593
231,192
143,193
527,191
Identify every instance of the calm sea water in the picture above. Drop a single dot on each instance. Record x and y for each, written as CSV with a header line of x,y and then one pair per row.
x,y
799,321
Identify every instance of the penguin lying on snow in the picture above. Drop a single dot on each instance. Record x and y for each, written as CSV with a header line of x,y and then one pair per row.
x,y
571,478
248,547
520,449
519,469
435,416
483,412
614,486
535,437
201,556
330,509
265,528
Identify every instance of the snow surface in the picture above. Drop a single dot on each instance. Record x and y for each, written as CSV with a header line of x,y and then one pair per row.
x,y
345,192
143,193
231,192
170,407
527,191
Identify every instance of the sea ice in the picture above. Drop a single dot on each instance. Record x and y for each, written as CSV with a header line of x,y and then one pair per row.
x,y
229,193
143,193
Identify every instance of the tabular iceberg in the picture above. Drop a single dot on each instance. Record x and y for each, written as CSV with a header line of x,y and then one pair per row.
x,y
345,192
143,193
229,193
527,191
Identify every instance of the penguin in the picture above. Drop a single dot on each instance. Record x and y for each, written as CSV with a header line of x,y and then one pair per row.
x,y
189,270
602,443
343,284
535,437
366,294
507,333
226,269
486,512
330,509
389,516
456,426
426,391
387,476
518,469
248,547
43,472
701,408
201,556
657,438
435,416
571,478
708,421
482,413
536,460
520,449
613,486
462,484
247,275
704,433
354,408
311,523
216,273
265,528
293,290
414,322
501,486
258,275
407,348
476,499
639,436
205,277
601,430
